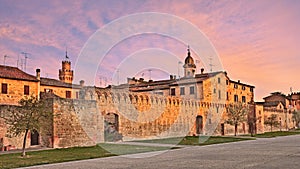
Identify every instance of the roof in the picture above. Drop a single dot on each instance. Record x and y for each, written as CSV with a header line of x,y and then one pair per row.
x,y
57,83
272,104
15,73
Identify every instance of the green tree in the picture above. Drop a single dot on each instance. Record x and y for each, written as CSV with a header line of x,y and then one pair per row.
x,y
237,114
271,121
296,117
30,115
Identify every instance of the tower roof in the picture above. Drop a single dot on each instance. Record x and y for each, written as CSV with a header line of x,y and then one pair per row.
x,y
189,59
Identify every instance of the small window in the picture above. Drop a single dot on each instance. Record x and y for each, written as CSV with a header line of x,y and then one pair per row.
x,y
227,96
209,121
227,82
173,92
68,94
251,89
219,93
215,90
192,90
4,88
219,80
26,90
243,99
235,86
236,98
182,91
77,95
243,88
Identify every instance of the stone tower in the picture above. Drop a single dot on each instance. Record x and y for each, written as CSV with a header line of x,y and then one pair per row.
x,y
65,73
189,65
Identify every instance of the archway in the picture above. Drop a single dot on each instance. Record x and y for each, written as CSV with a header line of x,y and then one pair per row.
x,y
199,124
34,138
111,127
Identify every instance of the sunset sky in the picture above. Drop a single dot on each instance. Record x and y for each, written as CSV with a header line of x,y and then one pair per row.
x,y
258,42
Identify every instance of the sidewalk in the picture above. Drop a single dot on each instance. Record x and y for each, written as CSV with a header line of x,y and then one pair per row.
x,y
148,144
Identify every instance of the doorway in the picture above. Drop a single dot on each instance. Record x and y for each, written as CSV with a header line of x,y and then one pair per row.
x,y
199,124
34,136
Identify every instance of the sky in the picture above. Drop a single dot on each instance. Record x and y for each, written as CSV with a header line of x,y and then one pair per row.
x,y
257,42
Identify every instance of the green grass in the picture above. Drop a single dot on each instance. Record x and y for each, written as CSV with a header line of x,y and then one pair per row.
x,y
71,154
196,140
277,133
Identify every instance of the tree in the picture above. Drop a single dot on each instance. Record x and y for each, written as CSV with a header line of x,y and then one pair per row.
x,y
296,117
236,114
272,121
30,115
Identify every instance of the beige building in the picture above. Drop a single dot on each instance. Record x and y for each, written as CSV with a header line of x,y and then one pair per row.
x,y
280,105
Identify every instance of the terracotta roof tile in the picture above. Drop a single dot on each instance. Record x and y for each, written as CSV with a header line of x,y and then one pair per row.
x,y
15,73
54,82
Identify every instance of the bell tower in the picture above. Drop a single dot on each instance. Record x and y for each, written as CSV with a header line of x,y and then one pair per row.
x,y
189,65
65,73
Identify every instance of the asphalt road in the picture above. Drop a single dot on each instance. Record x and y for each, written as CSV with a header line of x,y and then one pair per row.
x,y
273,153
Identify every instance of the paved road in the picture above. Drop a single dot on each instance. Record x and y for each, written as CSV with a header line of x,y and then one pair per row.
x,y
280,152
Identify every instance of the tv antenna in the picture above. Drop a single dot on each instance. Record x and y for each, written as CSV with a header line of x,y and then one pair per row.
x,y
179,63
149,70
4,59
210,64
26,57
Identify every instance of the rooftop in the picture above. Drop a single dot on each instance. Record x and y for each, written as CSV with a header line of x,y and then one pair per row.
x,y
15,73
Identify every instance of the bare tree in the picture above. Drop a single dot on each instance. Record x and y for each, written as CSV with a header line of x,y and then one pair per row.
x,y
30,115
272,121
236,114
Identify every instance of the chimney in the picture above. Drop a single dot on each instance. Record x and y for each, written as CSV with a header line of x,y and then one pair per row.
x,y
81,82
38,74
202,70
171,77
239,81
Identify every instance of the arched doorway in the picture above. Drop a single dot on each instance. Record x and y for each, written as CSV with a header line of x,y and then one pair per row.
x,y
34,138
199,124
111,127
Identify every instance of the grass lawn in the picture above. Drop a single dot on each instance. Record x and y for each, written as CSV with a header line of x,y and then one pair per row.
x,y
196,140
277,133
70,154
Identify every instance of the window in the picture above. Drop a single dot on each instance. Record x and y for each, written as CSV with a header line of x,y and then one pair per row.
x,y
236,98
243,88
182,92
227,82
219,80
68,94
219,92
209,121
243,99
173,92
77,95
215,90
26,90
192,90
227,96
4,88
251,89
235,86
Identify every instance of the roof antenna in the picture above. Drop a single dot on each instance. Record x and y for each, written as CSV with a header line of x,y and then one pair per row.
x,y
210,64
26,57
4,59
